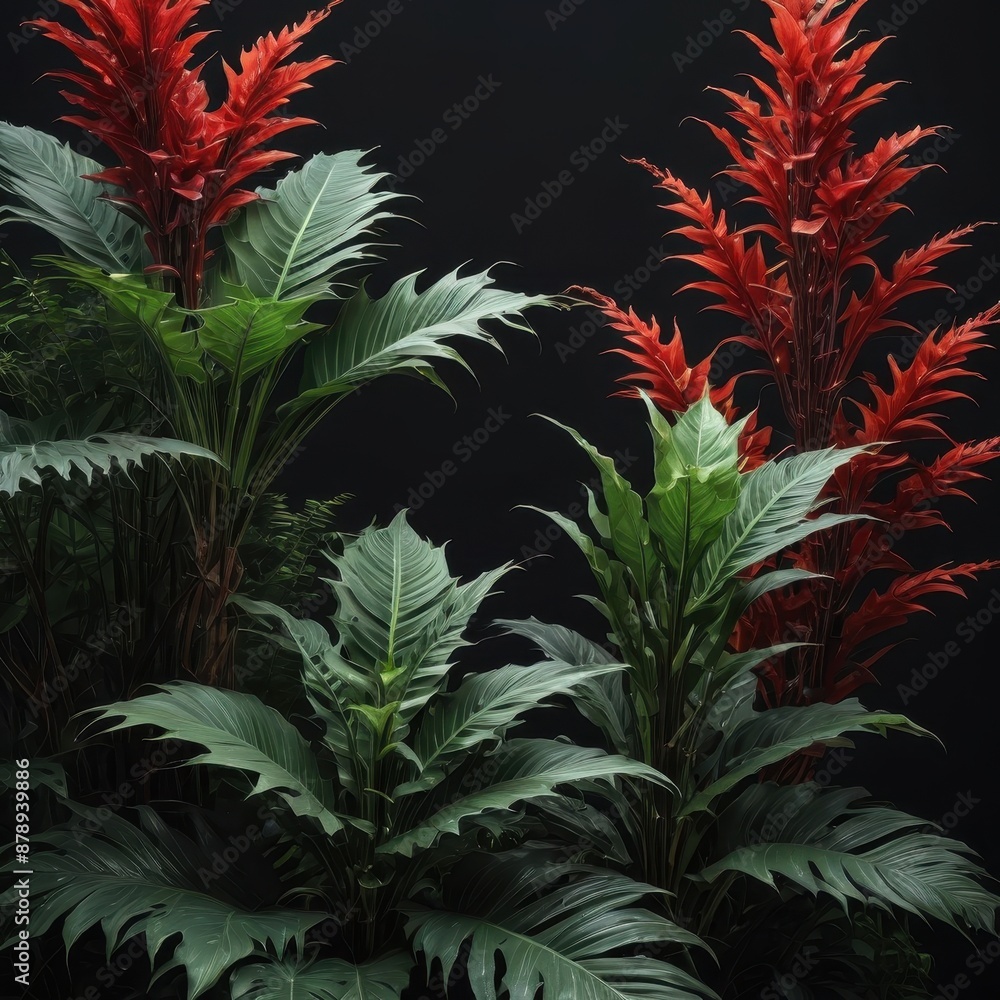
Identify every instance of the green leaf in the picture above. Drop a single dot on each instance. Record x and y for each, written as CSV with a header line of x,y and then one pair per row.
x,y
238,732
774,735
246,333
133,883
822,842
487,705
405,331
400,613
602,701
302,235
331,684
385,978
520,771
600,563
153,311
44,773
772,514
697,481
47,177
625,526
28,451
554,936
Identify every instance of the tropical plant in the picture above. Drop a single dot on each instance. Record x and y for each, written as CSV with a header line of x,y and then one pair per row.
x,y
803,280
763,872
197,292
405,814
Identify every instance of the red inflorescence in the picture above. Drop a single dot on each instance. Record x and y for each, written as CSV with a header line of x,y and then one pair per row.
x,y
181,163
809,295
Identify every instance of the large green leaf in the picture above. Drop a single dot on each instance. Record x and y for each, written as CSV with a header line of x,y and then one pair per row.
x,y
384,978
247,333
774,735
487,705
332,685
405,331
29,450
400,613
241,332
47,177
138,881
238,732
772,514
603,701
153,311
558,928
302,235
519,772
823,842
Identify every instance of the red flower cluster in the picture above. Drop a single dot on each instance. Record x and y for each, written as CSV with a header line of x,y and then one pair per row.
x,y
667,378
809,295
181,164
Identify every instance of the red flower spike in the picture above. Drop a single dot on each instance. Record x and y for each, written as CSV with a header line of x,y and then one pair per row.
x,y
666,377
181,164
804,286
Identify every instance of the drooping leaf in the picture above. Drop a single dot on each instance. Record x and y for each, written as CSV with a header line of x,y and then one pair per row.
x,y
603,701
824,842
47,177
771,736
238,732
521,770
406,331
28,453
384,978
487,705
137,881
626,526
557,927
151,310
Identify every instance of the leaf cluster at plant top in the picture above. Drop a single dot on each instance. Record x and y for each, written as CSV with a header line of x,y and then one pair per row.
x,y
348,812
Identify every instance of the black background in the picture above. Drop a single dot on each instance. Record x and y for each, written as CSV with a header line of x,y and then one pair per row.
x,y
560,77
